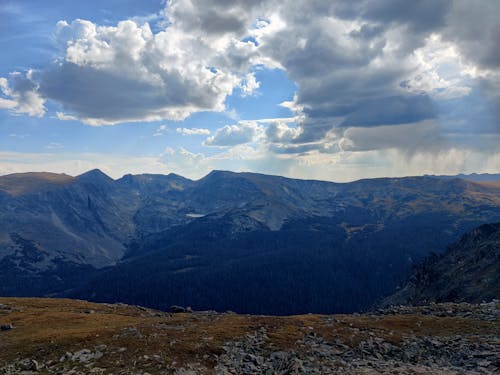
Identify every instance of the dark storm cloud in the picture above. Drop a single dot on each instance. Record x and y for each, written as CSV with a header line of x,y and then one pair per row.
x,y
357,70
475,27
103,96
392,111
417,16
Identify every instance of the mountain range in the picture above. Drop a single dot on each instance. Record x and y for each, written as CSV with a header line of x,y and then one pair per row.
x,y
246,242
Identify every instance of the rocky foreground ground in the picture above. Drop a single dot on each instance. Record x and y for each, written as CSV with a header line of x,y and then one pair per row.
x,y
54,336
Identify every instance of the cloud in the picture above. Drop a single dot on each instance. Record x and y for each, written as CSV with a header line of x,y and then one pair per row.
x,y
474,27
160,131
128,73
425,135
370,75
21,94
232,135
64,117
281,132
249,85
391,111
54,146
193,131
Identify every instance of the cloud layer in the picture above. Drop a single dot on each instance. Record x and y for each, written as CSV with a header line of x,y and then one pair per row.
x,y
370,75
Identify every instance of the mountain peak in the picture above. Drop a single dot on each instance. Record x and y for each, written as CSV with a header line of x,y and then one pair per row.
x,y
94,175
220,173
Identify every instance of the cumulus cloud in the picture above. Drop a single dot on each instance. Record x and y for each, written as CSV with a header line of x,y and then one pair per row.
x,y
113,74
128,73
232,135
249,85
281,132
370,75
21,94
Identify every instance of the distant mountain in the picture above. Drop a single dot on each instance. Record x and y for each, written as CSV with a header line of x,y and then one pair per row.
x,y
23,183
469,271
240,241
475,176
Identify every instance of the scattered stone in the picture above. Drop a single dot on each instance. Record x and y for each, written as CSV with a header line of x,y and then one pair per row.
x,y
85,355
28,364
101,347
355,348
66,356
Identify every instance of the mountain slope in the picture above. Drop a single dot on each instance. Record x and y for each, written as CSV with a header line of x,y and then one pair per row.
x,y
241,241
335,247
22,183
469,271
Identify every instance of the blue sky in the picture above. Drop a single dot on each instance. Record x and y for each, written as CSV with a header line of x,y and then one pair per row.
x,y
328,90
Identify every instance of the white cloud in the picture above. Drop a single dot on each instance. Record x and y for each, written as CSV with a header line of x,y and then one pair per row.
x,y
193,131
281,132
439,70
64,117
137,75
7,104
249,85
54,146
232,135
21,94
160,131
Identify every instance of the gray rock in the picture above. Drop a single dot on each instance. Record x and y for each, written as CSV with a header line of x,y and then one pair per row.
x,y
28,364
84,355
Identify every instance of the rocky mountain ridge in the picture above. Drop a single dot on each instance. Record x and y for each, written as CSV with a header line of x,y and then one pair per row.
x,y
166,232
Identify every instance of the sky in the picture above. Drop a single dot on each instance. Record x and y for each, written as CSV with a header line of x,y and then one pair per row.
x,y
331,90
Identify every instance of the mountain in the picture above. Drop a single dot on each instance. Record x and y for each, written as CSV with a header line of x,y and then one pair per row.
x,y
469,271
475,176
23,183
230,241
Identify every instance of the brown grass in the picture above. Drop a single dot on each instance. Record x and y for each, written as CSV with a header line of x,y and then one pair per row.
x,y
47,328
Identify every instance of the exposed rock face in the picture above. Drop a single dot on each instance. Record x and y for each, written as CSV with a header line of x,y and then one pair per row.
x,y
469,271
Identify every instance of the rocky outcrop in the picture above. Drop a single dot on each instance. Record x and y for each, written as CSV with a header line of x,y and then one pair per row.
x,y
469,271
121,339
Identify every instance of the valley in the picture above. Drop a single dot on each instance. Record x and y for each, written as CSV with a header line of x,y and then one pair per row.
x,y
244,242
